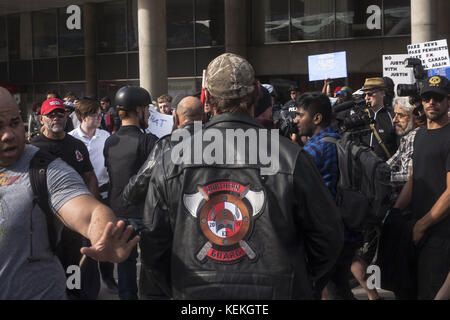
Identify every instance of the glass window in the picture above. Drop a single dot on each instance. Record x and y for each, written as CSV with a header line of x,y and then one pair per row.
x,y
358,18
44,34
105,69
312,19
204,57
3,71
45,70
3,40
71,42
40,91
270,21
71,69
20,71
183,86
180,28
133,66
13,22
209,22
111,30
397,17
133,37
180,63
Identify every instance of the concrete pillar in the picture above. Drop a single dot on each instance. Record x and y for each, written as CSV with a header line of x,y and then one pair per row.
x,y
424,14
90,62
236,27
152,46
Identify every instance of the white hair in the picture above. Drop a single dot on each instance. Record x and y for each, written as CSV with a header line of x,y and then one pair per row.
x,y
403,103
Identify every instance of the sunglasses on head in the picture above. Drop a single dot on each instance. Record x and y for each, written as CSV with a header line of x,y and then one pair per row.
x,y
435,96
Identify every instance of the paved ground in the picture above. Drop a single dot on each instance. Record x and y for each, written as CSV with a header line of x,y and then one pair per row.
x,y
359,292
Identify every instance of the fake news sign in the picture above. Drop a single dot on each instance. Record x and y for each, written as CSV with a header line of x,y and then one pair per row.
x,y
434,54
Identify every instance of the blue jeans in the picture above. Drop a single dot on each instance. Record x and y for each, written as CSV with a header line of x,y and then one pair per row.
x,y
127,271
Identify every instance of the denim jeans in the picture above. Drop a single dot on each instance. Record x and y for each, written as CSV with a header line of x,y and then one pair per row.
x,y
127,271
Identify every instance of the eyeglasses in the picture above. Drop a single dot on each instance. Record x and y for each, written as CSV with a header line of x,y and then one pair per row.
x,y
435,96
59,115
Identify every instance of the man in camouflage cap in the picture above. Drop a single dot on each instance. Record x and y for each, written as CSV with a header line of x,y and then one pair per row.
x,y
224,229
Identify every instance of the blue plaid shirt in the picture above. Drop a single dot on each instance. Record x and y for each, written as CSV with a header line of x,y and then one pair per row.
x,y
325,156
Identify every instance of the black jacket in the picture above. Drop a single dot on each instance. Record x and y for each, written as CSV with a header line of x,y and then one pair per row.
x,y
125,152
225,231
136,189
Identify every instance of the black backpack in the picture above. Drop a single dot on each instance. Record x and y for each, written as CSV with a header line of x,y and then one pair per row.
x,y
38,180
364,189
90,280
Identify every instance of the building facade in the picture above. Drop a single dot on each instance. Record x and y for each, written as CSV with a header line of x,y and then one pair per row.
x,y
95,47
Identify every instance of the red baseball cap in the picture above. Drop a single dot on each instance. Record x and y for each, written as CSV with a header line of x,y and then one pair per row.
x,y
52,104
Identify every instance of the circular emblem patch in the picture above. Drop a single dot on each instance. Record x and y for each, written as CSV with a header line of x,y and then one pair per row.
x,y
434,80
225,211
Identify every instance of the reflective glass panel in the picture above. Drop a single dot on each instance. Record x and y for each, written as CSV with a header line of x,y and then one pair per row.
x,y
111,30
180,28
312,19
3,41
358,18
133,37
180,63
71,40
209,22
270,21
397,17
13,22
44,33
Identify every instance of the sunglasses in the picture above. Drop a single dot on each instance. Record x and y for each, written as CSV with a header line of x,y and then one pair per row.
x,y
435,96
369,94
55,115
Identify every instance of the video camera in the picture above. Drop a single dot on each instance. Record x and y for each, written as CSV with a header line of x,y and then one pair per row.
x,y
419,74
356,119
286,124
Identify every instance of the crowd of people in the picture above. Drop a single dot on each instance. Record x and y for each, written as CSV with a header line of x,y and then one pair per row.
x,y
222,228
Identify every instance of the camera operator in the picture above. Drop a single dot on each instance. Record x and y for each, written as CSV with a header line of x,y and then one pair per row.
x,y
375,90
428,189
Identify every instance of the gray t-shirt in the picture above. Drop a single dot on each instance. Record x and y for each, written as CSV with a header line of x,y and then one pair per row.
x,y
19,278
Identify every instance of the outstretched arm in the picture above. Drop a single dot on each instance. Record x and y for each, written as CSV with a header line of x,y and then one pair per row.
x,y
97,222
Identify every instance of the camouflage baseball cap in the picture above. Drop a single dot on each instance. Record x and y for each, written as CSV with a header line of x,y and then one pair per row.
x,y
230,76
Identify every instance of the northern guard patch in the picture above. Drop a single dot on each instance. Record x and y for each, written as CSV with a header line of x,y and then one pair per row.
x,y
225,211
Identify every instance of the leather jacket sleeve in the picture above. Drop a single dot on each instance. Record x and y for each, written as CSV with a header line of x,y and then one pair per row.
x,y
318,217
136,189
157,235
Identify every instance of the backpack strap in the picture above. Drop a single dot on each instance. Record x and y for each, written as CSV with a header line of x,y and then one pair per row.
x,y
38,180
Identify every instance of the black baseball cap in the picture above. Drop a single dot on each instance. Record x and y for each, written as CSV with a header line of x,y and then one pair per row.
x,y
436,84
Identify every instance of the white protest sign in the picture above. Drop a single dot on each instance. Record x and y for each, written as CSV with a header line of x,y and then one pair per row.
x,y
159,124
394,68
330,65
434,54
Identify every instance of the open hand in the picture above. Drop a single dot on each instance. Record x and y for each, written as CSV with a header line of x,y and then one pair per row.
x,y
113,245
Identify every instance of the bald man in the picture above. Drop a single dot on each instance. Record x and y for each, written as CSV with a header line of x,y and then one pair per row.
x,y
189,110
29,268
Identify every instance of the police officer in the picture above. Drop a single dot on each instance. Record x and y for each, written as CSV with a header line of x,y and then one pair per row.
x,y
125,152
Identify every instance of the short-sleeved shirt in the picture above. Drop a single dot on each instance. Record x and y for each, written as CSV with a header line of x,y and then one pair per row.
x,y
95,147
69,149
44,278
431,163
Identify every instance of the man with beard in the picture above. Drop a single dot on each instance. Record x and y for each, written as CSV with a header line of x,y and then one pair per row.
x,y
428,190
405,127
57,142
